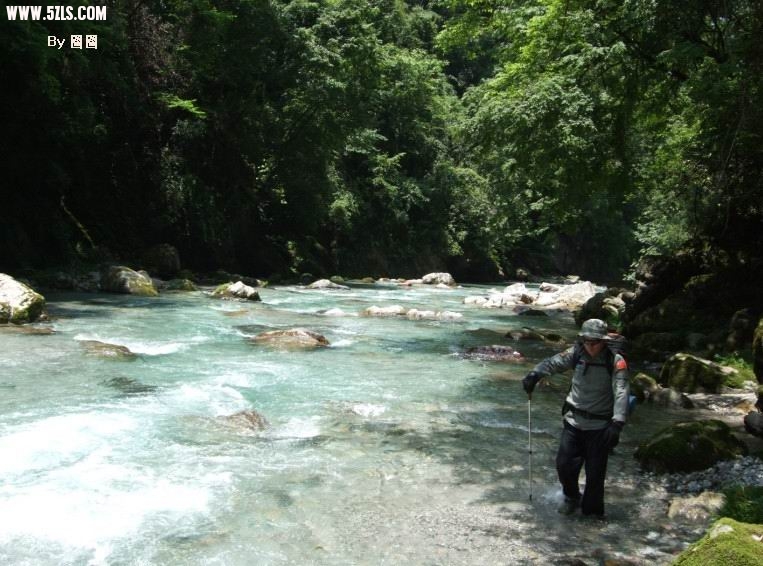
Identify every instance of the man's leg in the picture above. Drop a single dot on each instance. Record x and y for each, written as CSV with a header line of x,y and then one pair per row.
x,y
569,460
596,455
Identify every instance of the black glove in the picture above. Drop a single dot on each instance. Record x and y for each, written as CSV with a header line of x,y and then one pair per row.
x,y
611,434
530,380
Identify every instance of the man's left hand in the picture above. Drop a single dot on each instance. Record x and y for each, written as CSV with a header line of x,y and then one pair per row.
x,y
612,434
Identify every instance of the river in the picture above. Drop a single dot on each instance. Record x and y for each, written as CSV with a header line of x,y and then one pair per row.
x,y
387,447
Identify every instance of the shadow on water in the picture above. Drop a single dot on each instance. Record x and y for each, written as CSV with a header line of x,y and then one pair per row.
x,y
487,449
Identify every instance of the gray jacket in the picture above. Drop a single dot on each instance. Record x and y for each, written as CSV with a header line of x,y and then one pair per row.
x,y
593,388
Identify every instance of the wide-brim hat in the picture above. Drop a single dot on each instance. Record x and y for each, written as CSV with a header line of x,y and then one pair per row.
x,y
594,329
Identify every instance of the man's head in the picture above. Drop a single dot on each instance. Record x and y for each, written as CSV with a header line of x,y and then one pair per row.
x,y
594,335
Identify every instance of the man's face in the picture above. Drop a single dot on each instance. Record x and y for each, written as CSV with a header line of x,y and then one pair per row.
x,y
593,347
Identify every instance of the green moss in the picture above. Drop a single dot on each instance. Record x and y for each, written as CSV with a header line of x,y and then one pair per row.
x,y
222,289
181,285
739,363
640,384
744,503
687,447
726,543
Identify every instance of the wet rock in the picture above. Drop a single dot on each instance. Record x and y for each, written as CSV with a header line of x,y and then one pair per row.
x,y
435,278
328,285
246,420
569,297
494,353
690,446
696,508
667,397
393,310
415,314
19,303
237,290
643,386
532,312
294,338
106,350
121,279
691,374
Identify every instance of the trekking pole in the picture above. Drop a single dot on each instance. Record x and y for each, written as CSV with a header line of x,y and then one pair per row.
x,y
530,445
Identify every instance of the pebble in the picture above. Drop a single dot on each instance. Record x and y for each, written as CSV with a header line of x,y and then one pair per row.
x,y
745,471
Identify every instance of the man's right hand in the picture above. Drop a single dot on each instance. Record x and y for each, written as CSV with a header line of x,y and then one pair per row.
x,y
529,382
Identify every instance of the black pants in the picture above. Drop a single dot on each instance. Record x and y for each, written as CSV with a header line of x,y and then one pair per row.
x,y
576,448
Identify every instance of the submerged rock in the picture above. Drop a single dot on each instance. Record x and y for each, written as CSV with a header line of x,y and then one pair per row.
x,y
294,338
19,303
247,420
129,385
28,330
494,353
106,350
121,279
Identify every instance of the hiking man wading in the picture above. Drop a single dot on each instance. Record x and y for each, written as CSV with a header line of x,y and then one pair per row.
x,y
594,414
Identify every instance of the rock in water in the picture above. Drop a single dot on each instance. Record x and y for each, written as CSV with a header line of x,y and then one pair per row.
x,y
121,279
294,338
237,290
18,302
106,350
494,353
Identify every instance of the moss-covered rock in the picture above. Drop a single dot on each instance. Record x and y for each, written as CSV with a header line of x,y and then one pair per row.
x,y
726,543
121,279
181,285
691,374
643,386
237,290
689,446
19,303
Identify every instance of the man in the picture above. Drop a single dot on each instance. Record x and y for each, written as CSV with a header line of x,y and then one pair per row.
x,y
594,414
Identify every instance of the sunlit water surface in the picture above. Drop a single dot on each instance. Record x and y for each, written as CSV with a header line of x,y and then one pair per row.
x,y
385,448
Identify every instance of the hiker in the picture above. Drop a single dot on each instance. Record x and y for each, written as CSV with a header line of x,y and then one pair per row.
x,y
594,413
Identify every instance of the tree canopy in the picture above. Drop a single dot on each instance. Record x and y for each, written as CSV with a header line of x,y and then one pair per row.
x,y
386,136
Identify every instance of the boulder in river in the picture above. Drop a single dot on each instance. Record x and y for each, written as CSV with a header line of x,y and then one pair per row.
x,y
689,446
121,279
328,284
293,338
392,310
18,302
237,290
435,278
691,374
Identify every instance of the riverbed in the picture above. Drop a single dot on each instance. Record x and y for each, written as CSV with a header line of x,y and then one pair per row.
x,y
386,447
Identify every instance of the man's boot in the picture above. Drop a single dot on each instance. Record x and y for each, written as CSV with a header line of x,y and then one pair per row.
x,y
569,505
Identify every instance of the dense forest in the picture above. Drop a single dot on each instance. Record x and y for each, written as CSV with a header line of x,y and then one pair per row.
x,y
387,137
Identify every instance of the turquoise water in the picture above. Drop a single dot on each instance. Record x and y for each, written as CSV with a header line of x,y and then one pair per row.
x,y
385,447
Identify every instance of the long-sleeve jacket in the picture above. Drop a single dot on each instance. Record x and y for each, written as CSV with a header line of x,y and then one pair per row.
x,y
594,390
